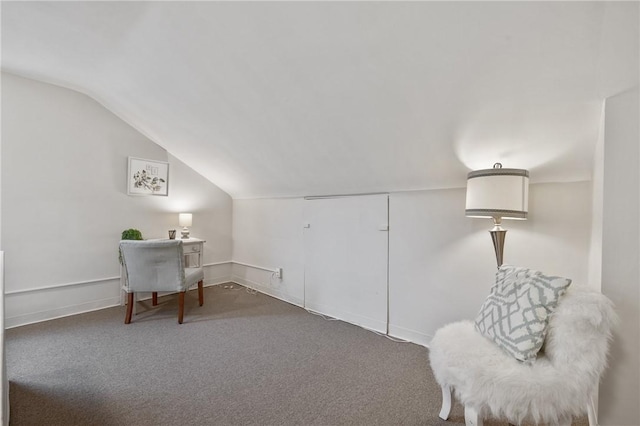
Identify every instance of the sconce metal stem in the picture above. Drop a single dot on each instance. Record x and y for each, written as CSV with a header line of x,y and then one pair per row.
x,y
498,235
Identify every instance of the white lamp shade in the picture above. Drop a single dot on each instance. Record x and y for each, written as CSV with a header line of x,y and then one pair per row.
x,y
498,192
185,219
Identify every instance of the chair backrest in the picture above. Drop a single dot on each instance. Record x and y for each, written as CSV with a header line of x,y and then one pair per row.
x,y
155,265
580,332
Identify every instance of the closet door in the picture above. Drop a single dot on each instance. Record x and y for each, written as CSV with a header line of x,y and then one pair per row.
x,y
346,258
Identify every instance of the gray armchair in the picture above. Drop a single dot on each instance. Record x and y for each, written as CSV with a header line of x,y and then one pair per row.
x,y
153,266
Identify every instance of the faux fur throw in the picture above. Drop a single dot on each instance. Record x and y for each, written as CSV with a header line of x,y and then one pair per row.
x,y
554,388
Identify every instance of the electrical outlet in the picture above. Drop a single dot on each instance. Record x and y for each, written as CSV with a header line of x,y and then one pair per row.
x,y
278,272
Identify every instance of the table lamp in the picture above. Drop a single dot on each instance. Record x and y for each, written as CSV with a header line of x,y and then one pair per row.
x,y
499,194
185,220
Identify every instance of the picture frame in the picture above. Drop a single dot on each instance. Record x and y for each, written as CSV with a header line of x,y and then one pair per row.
x,y
147,177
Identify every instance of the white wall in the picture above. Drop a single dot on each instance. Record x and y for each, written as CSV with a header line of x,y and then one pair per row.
x,y
4,380
441,264
620,390
268,233
65,204
619,236
597,196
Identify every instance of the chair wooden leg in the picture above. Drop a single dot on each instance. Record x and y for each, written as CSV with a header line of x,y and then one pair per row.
x,y
471,417
130,302
180,307
154,298
200,293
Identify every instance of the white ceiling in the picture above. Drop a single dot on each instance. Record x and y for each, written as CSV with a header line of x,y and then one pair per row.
x,y
315,98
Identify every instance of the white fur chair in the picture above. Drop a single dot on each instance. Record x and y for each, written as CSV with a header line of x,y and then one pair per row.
x,y
560,384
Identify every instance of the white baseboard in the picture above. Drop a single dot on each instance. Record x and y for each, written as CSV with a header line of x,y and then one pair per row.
x,y
33,317
410,335
267,290
365,322
207,283
350,317
70,291
75,309
217,281
214,283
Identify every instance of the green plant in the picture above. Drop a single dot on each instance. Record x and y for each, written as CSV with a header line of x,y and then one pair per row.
x,y
129,234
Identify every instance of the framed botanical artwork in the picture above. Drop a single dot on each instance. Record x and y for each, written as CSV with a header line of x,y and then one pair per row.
x,y
147,177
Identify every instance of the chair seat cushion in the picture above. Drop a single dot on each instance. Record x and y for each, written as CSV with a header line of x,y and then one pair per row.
x,y
460,355
496,384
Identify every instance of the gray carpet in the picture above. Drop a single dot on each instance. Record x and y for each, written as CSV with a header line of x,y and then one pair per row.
x,y
241,359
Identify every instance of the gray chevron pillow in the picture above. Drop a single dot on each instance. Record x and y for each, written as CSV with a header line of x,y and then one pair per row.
x,y
516,313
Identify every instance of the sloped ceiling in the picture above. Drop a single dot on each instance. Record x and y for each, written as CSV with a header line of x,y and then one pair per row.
x,y
312,98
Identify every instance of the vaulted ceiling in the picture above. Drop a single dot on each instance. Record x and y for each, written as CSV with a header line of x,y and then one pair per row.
x,y
316,98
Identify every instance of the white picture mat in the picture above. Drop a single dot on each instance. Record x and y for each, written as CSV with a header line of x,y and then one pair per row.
x,y
158,170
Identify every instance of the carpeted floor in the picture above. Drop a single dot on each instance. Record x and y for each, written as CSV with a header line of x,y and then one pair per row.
x,y
241,359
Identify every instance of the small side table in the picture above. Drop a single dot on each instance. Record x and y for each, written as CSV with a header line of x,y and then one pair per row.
x,y
192,252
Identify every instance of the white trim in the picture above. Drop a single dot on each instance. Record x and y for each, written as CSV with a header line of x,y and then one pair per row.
x,y
193,287
410,335
350,317
54,286
35,317
217,281
217,263
65,311
253,266
94,281
403,333
322,197
267,290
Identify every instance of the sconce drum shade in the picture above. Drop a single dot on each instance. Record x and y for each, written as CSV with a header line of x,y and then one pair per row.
x,y
185,219
498,192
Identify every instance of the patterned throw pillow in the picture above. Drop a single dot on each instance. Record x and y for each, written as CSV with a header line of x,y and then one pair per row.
x,y
516,313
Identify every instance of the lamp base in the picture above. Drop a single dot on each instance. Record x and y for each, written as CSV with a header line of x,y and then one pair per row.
x,y
185,233
497,236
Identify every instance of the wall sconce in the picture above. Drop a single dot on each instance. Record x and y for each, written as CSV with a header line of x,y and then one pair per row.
x,y
185,220
499,194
